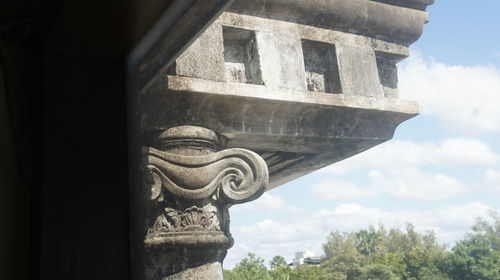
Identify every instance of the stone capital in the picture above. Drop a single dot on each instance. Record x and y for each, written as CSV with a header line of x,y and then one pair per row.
x,y
190,182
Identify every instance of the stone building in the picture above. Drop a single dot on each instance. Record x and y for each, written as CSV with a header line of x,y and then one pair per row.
x,y
132,126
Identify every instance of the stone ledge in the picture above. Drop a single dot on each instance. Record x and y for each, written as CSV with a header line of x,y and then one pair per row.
x,y
412,4
185,84
395,23
296,132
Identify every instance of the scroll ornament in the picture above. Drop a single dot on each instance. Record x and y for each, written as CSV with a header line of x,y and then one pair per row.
x,y
204,186
234,175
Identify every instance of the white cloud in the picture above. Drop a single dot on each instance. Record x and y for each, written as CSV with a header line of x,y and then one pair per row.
x,y
306,231
341,190
464,151
400,183
463,99
491,181
394,154
265,202
396,169
412,183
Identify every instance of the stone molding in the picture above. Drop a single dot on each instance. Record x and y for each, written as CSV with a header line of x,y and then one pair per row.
x,y
389,20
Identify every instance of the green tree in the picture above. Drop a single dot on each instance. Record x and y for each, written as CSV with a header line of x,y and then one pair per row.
x,y
279,268
477,256
378,272
376,253
414,255
342,258
281,273
277,261
230,275
250,268
393,260
368,242
309,272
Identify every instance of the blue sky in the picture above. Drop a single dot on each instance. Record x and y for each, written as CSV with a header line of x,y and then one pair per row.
x,y
440,171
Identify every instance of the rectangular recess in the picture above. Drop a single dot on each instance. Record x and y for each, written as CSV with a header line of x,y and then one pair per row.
x,y
241,56
388,72
322,70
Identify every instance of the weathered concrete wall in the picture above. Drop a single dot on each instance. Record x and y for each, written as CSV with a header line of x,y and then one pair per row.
x,y
274,85
357,65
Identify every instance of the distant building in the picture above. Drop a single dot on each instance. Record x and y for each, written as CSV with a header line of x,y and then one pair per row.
x,y
306,257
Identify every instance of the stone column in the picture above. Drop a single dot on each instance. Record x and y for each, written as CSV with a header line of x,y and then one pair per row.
x,y
189,184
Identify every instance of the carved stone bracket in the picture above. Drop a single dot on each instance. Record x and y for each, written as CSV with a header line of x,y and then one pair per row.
x,y
192,185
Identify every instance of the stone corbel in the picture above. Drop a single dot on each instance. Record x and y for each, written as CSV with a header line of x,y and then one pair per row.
x,y
191,184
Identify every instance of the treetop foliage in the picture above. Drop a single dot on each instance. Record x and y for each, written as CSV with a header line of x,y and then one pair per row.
x,y
381,254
